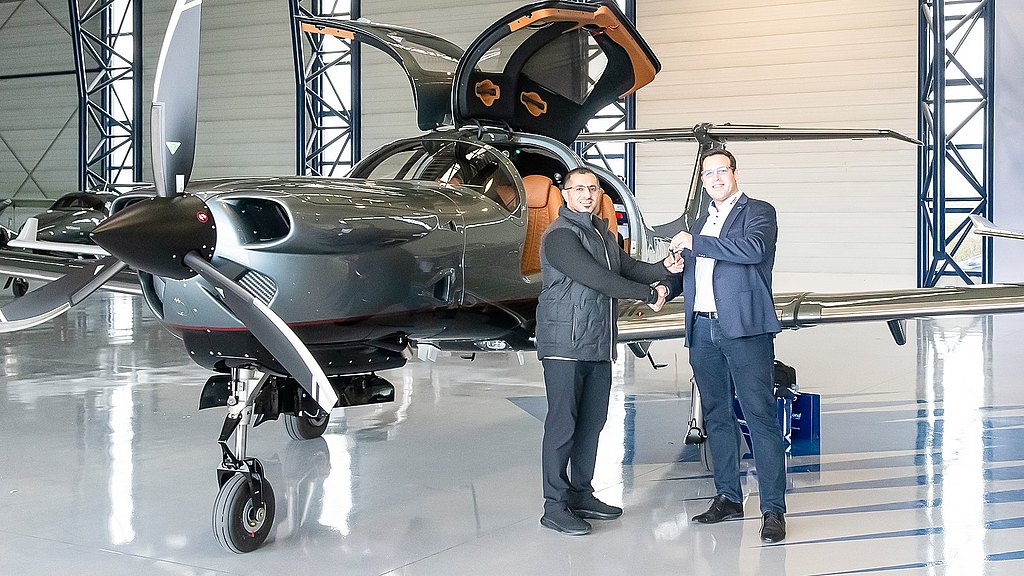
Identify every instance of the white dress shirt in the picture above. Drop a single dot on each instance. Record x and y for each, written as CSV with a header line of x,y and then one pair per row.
x,y
704,299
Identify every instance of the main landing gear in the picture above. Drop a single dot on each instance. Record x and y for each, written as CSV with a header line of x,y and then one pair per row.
x,y
243,513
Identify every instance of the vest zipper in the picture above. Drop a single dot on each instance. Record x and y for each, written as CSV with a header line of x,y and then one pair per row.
x,y
611,301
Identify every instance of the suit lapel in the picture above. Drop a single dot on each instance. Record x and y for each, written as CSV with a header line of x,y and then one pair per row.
x,y
741,204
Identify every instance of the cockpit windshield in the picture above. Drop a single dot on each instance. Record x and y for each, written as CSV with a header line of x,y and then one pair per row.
x,y
463,164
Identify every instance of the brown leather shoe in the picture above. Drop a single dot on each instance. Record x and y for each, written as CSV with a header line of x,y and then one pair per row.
x,y
721,509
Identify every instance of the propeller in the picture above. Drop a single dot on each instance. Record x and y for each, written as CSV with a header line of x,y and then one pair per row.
x,y
57,297
173,234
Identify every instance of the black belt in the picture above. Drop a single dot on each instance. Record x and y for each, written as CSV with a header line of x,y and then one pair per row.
x,y
711,315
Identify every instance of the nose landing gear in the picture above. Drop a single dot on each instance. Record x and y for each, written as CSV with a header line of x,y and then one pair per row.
x,y
243,512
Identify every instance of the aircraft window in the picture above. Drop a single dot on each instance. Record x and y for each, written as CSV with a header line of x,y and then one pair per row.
x,y
558,65
94,204
472,167
495,59
499,186
417,46
429,60
568,65
79,202
456,163
394,167
441,165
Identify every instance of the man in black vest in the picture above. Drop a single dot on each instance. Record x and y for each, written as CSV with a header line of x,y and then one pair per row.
x,y
584,271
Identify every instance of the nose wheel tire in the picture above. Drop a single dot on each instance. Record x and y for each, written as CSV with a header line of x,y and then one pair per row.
x,y
306,427
238,526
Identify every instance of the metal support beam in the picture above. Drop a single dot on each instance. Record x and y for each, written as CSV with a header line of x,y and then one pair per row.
x,y
107,43
327,92
618,158
956,77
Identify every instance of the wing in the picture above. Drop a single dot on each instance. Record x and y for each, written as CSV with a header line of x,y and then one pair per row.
x,y
639,323
28,238
48,268
984,227
741,133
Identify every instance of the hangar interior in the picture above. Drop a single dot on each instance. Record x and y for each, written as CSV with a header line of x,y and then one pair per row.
x,y
107,467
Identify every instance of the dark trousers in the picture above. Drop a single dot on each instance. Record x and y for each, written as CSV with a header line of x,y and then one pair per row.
x,y
742,368
577,395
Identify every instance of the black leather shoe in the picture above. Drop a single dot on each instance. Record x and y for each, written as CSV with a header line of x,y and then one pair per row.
x,y
721,509
773,527
566,522
591,507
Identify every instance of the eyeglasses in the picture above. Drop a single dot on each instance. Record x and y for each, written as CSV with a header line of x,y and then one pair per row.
x,y
580,189
721,171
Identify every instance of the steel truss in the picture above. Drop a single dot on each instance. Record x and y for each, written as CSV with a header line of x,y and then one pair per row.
x,y
956,77
327,105
107,42
619,157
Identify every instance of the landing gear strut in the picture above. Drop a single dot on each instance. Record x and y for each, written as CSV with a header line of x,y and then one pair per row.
x,y
243,512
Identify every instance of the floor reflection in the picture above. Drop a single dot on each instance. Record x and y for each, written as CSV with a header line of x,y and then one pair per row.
x,y
107,466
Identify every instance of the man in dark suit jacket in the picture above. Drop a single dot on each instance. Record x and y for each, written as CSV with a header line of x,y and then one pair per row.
x,y
730,329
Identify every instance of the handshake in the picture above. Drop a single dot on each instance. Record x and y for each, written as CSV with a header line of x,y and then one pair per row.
x,y
662,291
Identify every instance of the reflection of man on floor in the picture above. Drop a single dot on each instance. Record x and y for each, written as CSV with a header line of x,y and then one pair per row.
x,y
584,271
730,330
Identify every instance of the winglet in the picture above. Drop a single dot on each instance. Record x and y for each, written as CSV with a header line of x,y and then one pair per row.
x,y
28,238
30,231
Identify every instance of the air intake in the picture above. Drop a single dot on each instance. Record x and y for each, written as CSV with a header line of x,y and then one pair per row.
x,y
259,285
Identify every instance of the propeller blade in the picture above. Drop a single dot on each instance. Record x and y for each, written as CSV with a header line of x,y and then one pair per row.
x,y
57,297
270,330
173,130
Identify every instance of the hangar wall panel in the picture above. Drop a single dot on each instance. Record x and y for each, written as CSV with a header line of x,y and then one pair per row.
x,y
1008,198
246,88
246,112
847,210
38,115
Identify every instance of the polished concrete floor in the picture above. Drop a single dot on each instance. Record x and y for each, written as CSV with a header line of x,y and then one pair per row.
x,y
107,467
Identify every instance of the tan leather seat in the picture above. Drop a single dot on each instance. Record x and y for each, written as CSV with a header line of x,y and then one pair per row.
x,y
543,199
507,197
607,212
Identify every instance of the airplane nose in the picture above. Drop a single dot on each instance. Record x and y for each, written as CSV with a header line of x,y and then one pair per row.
x,y
155,234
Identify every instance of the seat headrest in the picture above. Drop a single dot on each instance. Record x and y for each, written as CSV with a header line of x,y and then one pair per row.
x,y
537,187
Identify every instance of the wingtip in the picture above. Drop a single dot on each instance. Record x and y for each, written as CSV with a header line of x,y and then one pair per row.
x,y
981,223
